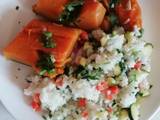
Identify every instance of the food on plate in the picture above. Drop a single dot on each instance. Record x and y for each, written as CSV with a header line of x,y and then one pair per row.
x,y
97,71
105,81
91,15
39,41
129,14
50,8
86,14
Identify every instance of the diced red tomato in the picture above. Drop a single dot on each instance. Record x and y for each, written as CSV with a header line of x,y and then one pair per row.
x,y
106,90
114,89
101,86
108,94
36,106
138,65
85,114
82,102
109,97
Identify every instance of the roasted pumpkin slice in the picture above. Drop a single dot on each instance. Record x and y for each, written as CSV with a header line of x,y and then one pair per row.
x,y
20,50
87,14
50,8
24,48
63,37
91,15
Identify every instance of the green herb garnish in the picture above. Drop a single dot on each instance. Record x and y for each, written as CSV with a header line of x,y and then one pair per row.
x,y
113,19
71,12
141,33
49,113
44,117
122,66
84,73
45,63
42,72
113,3
47,40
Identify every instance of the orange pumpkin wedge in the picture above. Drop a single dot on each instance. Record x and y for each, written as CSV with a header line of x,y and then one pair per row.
x,y
64,38
26,44
50,8
91,16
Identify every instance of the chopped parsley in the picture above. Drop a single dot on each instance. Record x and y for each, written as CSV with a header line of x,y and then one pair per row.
x,y
141,33
122,66
113,3
95,43
84,73
44,117
68,70
71,12
45,63
113,19
47,40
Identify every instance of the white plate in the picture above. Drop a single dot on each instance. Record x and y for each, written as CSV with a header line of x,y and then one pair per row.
x,y
12,81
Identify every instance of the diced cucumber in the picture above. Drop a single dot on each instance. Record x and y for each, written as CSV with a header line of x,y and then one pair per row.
x,y
135,111
135,75
141,75
132,75
117,70
148,48
124,115
144,93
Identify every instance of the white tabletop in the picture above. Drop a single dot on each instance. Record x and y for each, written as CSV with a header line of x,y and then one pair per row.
x,y
4,115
